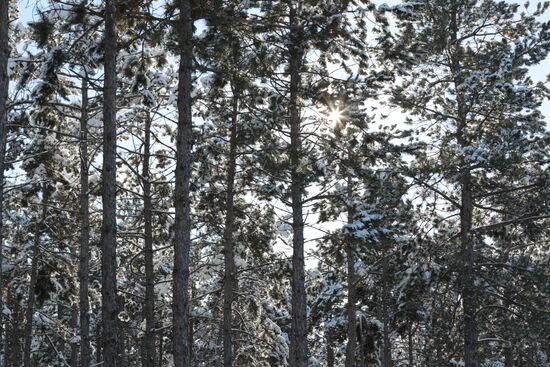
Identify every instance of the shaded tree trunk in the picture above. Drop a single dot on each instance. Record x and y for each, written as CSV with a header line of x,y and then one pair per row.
x,y
228,248
411,346
330,348
298,341
149,309
4,83
352,327
74,344
27,335
386,357
84,260
13,333
467,204
182,225
108,230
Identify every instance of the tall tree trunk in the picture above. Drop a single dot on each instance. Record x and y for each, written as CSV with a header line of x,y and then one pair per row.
x,y
330,347
74,344
108,230
84,260
352,327
182,225
4,82
228,248
161,349
298,341
411,346
386,361
469,300
13,333
32,284
149,309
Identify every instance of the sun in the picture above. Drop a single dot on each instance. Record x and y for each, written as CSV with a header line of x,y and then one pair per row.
x,y
335,115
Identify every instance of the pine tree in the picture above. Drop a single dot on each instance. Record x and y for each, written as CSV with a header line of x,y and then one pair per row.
x,y
473,82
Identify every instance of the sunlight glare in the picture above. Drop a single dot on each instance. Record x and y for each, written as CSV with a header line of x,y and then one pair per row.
x,y
335,115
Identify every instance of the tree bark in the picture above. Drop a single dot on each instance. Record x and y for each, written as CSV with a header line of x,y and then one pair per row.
x,y
298,341
330,347
469,300
228,248
108,230
352,327
4,83
13,333
149,309
84,260
411,346
32,284
182,225
387,361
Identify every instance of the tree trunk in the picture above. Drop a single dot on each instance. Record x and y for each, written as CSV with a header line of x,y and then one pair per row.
x,y
13,333
182,225
161,349
411,346
84,260
32,284
386,361
508,356
330,348
149,309
228,249
74,345
469,300
352,327
108,230
4,82
298,341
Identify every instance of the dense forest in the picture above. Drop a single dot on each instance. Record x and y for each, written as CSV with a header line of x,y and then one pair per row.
x,y
274,183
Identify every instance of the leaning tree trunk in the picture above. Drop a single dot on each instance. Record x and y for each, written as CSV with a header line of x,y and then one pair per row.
x,y
298,341
108,230
228,249
4,81
84,260
352,327
149,309
182,225
27,334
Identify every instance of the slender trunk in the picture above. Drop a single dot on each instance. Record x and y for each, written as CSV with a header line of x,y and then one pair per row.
x,y
13,333
149,309
508,356
298,342
182,225
411,346
330,348
108,230
469,300
4,82
74,345
161,350
84,260
387,361
230,268
352,327
32,284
